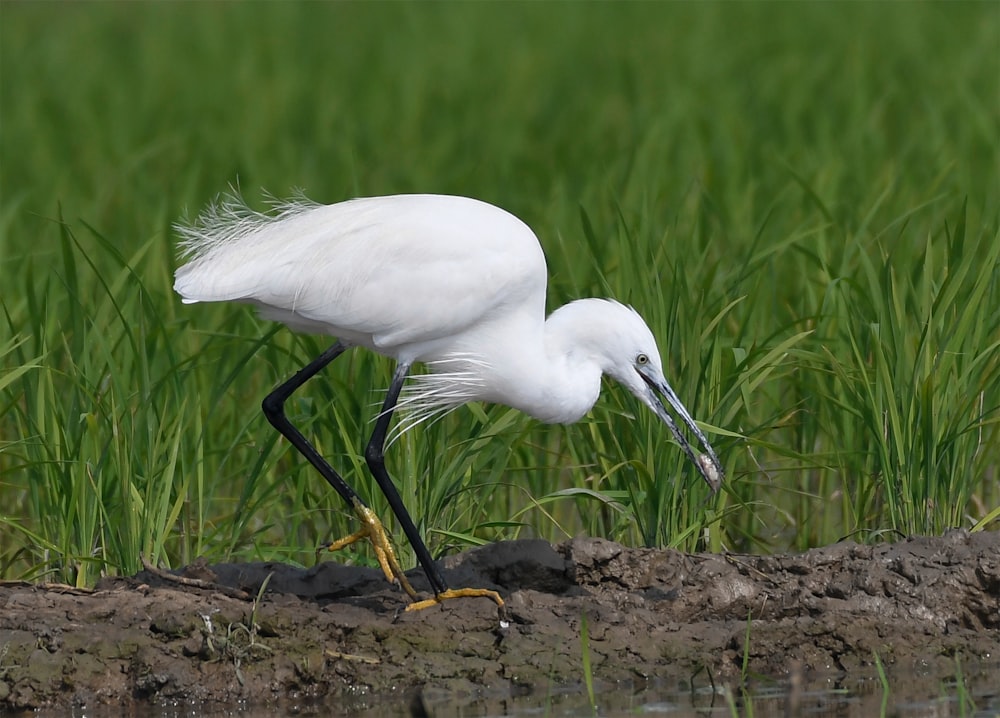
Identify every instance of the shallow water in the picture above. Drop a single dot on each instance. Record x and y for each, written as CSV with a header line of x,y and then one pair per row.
x,y
843,697
835,695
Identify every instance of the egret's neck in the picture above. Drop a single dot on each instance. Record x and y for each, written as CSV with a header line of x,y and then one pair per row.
x,y
551,371
565,373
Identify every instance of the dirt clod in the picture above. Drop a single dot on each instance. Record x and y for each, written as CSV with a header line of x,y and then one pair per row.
x,y
333,631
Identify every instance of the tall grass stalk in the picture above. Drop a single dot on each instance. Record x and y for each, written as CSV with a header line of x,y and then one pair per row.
x,y
883,682
588,673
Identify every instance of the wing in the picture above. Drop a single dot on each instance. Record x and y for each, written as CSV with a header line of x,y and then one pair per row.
x,y
380,271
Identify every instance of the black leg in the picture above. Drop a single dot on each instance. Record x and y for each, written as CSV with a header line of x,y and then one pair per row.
x,y
274,409
375,456
273,406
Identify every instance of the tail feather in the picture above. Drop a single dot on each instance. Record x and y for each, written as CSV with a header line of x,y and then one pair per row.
x,y
229,219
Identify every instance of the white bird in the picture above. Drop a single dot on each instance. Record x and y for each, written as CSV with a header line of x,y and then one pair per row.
x,y
452,282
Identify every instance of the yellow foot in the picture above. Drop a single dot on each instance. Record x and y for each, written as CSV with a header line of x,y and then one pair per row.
x,y
462,593
372,530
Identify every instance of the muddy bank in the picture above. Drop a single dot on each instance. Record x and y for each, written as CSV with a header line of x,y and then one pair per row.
x,y
336,632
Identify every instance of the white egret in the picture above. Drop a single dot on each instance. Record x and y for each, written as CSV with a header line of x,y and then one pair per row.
x,y
451,282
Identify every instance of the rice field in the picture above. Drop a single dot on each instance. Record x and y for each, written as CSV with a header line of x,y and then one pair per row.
x,y
802,200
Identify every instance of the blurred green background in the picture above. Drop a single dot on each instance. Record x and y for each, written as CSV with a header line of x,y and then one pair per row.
x,y
802,198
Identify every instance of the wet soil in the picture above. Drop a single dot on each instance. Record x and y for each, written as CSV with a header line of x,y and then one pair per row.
x,y
334,635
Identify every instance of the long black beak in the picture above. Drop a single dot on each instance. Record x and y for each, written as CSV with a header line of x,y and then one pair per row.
x,y
708,463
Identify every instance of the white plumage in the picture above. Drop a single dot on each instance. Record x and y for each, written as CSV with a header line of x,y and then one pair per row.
x,y
452,282
394,274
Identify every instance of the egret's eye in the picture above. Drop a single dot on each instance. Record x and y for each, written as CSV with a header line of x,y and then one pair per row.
x,y
642,359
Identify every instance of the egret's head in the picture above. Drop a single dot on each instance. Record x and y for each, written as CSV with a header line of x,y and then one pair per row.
x,y
628,354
